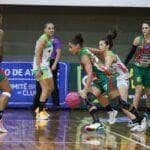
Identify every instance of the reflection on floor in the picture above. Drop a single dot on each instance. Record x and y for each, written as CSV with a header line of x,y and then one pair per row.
x,y
65,131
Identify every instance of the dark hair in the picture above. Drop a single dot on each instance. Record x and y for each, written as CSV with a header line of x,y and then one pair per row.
x,y
146,22
77,39
112,34
47,23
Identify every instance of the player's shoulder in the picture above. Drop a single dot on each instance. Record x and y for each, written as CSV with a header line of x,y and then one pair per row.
x,y
84,52
56,39
43,37
111,53
137,40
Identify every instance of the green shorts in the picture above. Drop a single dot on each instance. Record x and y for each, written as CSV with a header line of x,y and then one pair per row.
x,y
2,75
46,73
142,76
109,85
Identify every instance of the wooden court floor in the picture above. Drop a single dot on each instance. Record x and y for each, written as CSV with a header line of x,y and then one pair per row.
x,y
65,131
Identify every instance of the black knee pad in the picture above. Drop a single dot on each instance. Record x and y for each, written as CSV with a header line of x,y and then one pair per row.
x,y
124,104
93,111
91,96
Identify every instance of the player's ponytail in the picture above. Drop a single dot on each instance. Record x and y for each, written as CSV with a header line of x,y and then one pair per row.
x,y
111,35
78,39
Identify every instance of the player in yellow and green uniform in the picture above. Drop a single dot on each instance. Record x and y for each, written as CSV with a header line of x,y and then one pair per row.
x,y
41,69
4,84
141,49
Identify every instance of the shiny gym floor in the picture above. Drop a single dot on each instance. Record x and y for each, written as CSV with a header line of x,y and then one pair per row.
x,y
65,131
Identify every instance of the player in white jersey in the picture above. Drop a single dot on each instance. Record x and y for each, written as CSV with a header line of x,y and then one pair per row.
x,y
42,72
115,66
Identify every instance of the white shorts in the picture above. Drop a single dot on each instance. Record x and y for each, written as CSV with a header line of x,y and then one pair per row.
x,y
122,80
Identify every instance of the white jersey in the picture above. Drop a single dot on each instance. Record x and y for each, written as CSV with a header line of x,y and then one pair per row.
x,y
47,51
120,68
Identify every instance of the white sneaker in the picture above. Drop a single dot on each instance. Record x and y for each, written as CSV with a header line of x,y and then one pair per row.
x,y
132,123
2,128
135,128
144,124
94,126
140,128
112,116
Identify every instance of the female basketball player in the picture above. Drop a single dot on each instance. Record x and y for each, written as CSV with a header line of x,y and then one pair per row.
x,y
4,87
105,81
141,49
43,74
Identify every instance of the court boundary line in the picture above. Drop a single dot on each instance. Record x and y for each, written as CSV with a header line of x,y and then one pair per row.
x,y
129,139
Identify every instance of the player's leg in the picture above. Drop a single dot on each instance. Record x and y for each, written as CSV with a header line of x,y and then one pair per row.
x,y
91,96
47,86
6,94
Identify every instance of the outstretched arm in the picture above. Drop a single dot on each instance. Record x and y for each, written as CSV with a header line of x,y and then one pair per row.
x,y
1,44
132,51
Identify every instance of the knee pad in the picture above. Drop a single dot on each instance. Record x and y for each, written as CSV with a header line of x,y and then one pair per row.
x,y
91,96
93,111
124,104
6,94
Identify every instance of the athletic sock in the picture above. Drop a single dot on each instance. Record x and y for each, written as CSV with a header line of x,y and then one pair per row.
x,y
1,115
41,106
94,116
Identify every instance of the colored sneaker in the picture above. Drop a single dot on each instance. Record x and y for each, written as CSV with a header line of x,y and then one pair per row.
x,y
46,113
112,116
94,126
41,124
41,116
44,110
2,128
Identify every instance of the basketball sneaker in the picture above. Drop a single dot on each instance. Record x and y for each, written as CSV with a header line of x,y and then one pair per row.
x,y
44,110
112,116
2,128
140,127
94,126
41,116
46,113
132,123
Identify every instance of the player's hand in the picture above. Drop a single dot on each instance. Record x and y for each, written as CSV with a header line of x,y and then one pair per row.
x,y
53,67
39,74
83,93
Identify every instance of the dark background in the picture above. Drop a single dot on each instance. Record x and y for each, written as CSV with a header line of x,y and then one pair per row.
x,y
24,24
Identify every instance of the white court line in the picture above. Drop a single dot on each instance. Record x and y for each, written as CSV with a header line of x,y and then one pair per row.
x,y
42,142
129,139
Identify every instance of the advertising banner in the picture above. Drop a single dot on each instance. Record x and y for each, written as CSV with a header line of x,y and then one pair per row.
x,y
80,78
22,81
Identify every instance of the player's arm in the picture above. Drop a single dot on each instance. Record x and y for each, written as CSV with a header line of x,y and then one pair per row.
x,y
109,60
1,44
95,51
58,55
88,68
132,51
40,53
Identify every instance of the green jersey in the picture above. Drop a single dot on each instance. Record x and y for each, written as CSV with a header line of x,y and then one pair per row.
x,y
104,77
